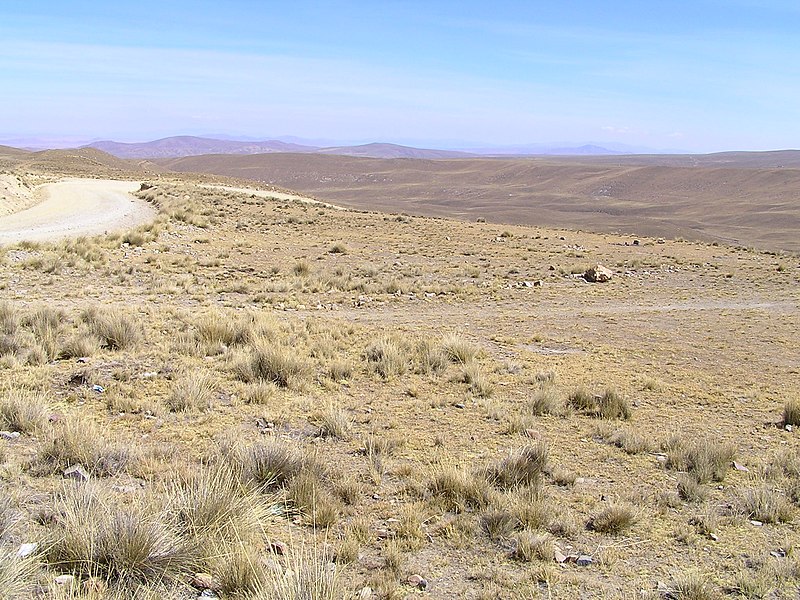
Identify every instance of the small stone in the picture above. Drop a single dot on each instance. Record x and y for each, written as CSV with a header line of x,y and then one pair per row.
x,y
76,472
365,593
82,360
382,534
755,523
780,553
207,594
459,405
25,550
740,467
9,435
417,581
584,560
278,548
559,556
788,427
533,434
598,274
202,581
65,580
54,417
713,537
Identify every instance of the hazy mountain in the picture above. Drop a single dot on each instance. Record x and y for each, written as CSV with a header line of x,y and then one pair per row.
x,y
173,147
391,151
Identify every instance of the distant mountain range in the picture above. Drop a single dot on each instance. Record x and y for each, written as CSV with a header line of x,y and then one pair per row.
x,y
181,146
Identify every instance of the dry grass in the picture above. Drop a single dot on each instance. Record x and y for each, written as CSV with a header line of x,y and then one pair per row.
x,y
459,490
523,467
791,412
387,358
73,441
613,519
116,329
192,392
704,459
23,411
766,505
272,364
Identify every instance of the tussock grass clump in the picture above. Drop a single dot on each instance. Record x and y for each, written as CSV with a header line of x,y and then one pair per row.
x,y
307,494
704,459
459,490
269,464
529,546
478,383
116,329
274,364
192,392
46,324
630,441
81,343
546,401
766,505
431,358
238,570
581,399
524,467
791,412
499,524
335,423
459,350
310,575
74,441
10,318
387,358
612,406
301,268
137,543
340,370
17,576
614,519
22,410
215,328
690,489
692,586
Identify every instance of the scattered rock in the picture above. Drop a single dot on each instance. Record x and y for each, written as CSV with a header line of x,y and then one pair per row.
x,y
740,467
533,434
559,556
9,435
207,594
788,427
65,580
584,560
202,581
598,274
76,472
98,388
779,553
417,581
459,405
365,593
278,548
25,550
755,523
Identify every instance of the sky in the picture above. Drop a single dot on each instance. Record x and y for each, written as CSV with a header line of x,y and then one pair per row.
x,y
699,76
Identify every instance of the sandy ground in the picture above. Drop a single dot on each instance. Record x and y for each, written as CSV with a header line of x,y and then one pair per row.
x,y
272,194
76,207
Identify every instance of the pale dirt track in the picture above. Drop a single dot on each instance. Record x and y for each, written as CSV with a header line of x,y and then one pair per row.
x,y
76,207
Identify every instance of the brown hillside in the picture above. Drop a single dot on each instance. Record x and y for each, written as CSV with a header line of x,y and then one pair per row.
x,y
745,206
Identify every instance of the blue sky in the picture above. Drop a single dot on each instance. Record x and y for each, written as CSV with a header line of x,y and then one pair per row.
x,y
705,75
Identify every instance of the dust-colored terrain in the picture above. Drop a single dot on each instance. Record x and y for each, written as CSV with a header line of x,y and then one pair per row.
x,y
267,395
750,199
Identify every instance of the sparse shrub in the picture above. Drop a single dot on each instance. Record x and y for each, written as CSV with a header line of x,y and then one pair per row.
x,y
765,505
192,392
340,370
22,411
702,458
631,441
116,329
529,546
216,328
459,490
338,248
791,412
499,524
529,504
459,350
260,392
386,358
274,364
614,519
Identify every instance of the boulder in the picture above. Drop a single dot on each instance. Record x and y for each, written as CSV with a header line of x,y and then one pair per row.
x,y
598,274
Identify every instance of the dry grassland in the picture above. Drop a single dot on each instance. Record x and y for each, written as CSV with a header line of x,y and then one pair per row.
x,y
276,400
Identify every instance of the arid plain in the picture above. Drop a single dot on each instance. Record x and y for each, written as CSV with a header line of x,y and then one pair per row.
x,y
255,396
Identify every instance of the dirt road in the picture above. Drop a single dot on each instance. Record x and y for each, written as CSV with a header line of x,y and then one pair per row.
x,y
76,207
